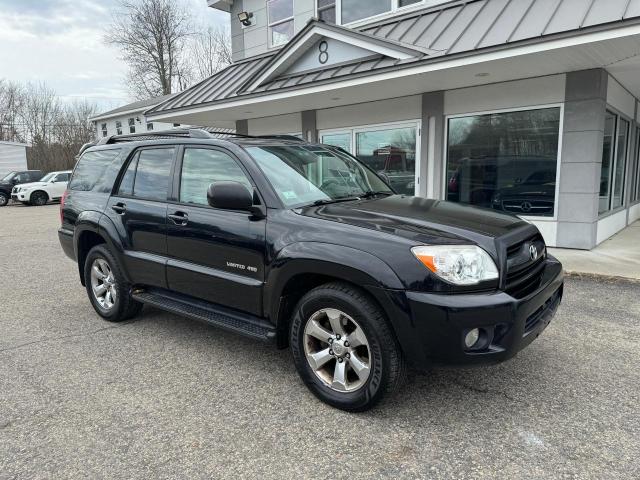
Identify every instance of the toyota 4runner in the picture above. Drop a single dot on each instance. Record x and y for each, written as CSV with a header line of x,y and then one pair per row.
x,y
304,246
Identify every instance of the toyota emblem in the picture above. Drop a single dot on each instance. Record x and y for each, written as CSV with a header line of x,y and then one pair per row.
x,y
533,252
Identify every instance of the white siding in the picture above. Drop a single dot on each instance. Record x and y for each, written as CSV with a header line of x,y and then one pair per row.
x,y
141,125
277,125
371,113
498,96
619,98
13,156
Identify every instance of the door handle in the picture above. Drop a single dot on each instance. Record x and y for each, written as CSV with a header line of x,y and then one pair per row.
x,y
179,218
119,208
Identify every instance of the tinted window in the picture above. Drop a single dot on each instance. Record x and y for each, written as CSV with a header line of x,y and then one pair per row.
x,y
201,167
126,184
505,161
62,177
91,168
152,174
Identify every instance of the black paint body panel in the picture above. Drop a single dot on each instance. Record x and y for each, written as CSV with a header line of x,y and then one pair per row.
x,y
250,265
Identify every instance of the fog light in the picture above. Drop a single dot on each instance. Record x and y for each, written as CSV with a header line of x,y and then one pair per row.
x,y
472,337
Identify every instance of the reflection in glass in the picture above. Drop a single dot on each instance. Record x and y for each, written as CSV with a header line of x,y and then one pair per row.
x,y
358,9
152,175
506,161
342,140
201,167
281,33
392,153
621,164
607,161
302,175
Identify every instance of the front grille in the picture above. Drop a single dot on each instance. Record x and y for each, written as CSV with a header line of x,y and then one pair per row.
x,y
524,272
533,207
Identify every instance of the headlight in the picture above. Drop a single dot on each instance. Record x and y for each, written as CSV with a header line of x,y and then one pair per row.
x,y
457,264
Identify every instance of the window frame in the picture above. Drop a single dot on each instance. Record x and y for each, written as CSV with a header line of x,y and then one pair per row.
x,y
104,129
132,125
174,198
395,9
618,115
635,170
444,179
270,24
354,130
118,127
135,154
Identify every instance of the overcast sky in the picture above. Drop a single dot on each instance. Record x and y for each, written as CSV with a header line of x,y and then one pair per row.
x,y
61,43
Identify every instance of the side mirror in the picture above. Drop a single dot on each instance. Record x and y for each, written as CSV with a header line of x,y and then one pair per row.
x,y
232,196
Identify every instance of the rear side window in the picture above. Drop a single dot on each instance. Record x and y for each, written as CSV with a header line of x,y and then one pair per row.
x,y
201,167
91,168
147,175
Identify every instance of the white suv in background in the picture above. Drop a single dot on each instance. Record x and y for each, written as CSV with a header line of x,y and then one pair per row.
x,y
49,187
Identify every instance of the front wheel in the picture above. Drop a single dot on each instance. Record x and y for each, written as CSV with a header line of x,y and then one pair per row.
x,y
4,199
108,290
38,199
344,348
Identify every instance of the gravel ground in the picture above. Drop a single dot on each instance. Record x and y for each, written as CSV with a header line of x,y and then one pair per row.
x,y
167,397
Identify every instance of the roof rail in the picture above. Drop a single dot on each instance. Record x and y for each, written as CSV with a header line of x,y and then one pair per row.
x,y
195,132
280,137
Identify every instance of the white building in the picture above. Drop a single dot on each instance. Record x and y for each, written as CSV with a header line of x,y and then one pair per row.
x,y
526,106
130,118
13,156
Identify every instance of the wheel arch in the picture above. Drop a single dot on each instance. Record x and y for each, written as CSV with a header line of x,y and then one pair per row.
x,y
39,190
304,266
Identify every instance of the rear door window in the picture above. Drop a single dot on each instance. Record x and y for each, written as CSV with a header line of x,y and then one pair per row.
x,y
147,176
90,169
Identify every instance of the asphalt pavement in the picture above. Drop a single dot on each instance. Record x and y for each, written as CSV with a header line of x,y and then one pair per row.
x,y
166,397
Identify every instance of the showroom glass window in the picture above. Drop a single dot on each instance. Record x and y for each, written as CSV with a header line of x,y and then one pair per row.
x,y
280,13
507,161
636,192
388,150
614,162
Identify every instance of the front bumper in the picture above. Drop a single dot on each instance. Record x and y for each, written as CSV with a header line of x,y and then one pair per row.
x,y
19,197
509,324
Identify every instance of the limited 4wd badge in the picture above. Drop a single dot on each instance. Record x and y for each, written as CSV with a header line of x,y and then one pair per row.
x,y
239,266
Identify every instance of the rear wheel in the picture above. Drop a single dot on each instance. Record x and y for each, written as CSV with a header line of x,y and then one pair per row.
x,y
344,349
38,198
4,199
108,290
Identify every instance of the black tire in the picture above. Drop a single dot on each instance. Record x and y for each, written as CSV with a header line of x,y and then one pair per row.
x,y
38,198
4,199
387,365
124,307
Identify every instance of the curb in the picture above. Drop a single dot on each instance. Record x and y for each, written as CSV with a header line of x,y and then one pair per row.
x,y
599,276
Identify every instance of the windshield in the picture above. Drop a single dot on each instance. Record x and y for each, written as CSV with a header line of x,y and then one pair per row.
x,y
47,177
304,174
9,176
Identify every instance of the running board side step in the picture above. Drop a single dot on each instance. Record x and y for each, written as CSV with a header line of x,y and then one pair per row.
x,y
242,323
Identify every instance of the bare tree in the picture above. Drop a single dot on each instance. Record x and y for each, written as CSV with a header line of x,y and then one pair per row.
x,y
11,99
39,112
210,51
152,35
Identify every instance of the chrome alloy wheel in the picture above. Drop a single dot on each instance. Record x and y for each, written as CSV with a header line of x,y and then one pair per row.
x,y
103,283
337,350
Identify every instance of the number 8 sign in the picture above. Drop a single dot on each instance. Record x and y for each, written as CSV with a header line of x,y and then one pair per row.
x,y
323,56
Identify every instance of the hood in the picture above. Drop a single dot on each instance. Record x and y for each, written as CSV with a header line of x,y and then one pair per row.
x,y
32,184
422,220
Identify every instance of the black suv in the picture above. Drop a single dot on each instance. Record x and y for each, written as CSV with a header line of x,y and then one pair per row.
x,y
304,246
16,178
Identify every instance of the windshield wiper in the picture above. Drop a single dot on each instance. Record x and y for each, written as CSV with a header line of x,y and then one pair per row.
x,y
334,200
372,193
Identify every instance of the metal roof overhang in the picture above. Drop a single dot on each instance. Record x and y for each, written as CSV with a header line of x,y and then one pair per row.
x,y
614,47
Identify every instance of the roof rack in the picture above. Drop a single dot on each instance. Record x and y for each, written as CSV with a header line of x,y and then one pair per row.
x,y
165,134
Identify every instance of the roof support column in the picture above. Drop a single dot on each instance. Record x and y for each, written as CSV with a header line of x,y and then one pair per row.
x,y
309,127
430,165
581,160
